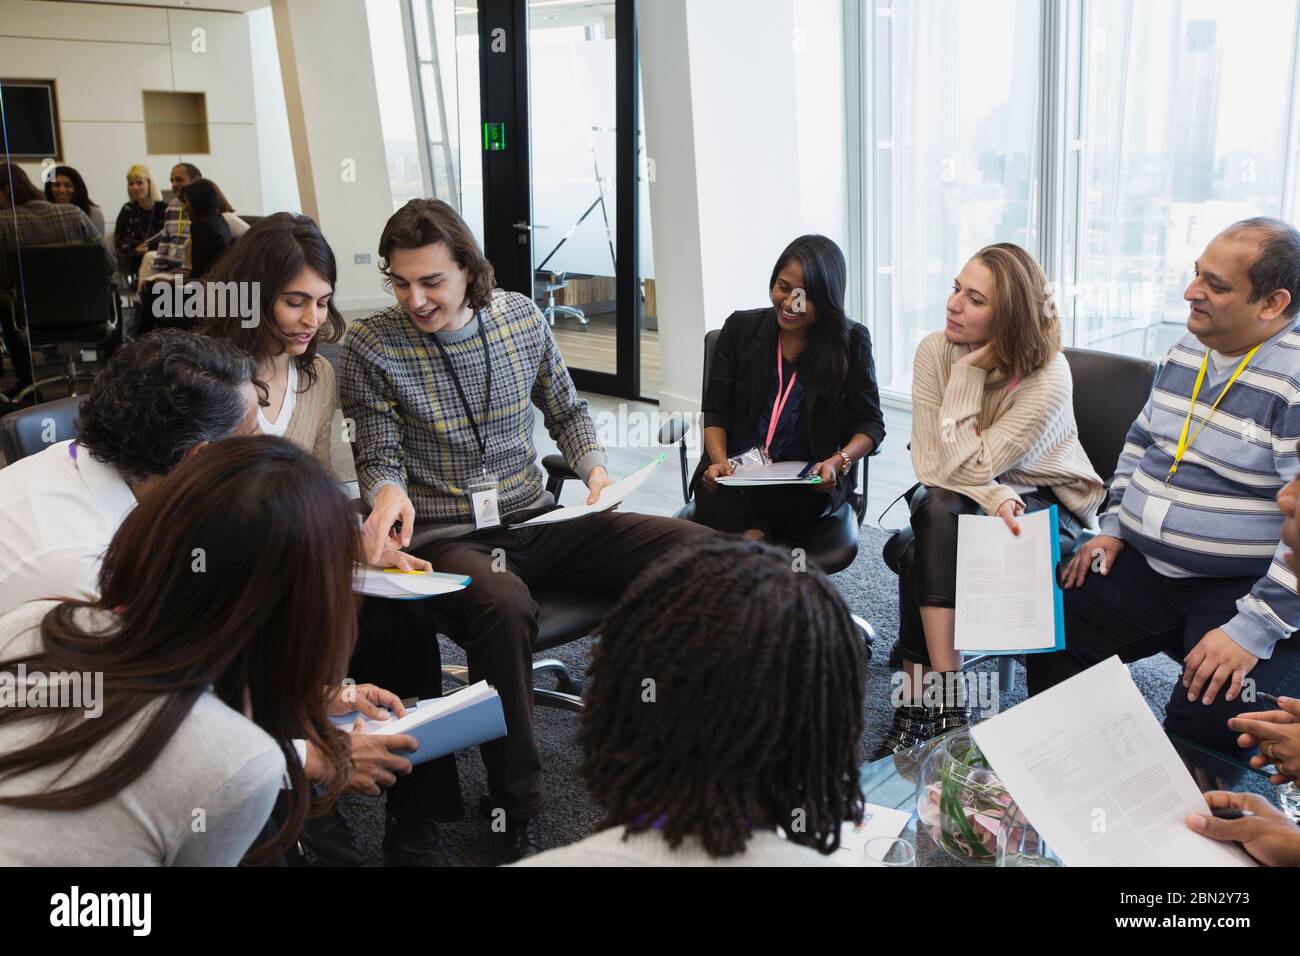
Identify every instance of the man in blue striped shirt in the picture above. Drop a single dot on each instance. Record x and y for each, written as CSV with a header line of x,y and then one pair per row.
x,y
1188,560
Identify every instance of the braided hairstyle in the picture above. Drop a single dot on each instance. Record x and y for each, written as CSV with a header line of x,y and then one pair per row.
x,y
725,696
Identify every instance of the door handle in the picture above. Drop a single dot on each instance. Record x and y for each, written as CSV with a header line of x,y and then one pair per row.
x,y
523,225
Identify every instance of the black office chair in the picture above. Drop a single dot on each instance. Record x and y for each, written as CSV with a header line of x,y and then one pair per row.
x,y
71,305
1109,394
829,542
30,430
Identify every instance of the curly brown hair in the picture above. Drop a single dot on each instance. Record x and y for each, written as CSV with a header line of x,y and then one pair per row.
x,y
422,222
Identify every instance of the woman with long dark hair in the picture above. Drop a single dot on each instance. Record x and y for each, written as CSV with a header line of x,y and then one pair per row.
x,y
225,610
67,186
791,382
209,231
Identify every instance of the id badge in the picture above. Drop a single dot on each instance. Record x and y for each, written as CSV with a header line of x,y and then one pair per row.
x,y
483,502
755,457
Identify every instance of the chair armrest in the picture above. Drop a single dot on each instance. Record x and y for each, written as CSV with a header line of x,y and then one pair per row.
x,y
557,473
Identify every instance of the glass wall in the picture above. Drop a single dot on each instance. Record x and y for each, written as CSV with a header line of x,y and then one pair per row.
x,y
1176,120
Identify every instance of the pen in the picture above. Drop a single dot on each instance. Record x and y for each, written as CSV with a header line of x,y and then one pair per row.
x,y
399,571
1268,698
1231,813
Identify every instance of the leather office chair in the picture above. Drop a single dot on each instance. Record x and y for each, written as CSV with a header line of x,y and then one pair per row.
x,y
1109,394
70,304
829,542
30,430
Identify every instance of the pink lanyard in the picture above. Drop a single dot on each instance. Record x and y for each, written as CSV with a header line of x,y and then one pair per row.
x,y
781,396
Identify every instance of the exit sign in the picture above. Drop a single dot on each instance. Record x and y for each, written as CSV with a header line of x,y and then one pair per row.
x,y
494,136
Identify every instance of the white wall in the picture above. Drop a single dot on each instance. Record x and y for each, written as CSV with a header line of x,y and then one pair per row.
x,y
338,145
103,56
720,119
274,148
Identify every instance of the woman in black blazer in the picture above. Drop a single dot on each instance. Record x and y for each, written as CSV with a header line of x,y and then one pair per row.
x,y
824,393
209,233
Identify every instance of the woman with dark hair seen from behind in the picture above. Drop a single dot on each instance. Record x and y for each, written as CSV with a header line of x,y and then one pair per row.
x,y
758,680
67,186
794,381
209,232
215,641
993,432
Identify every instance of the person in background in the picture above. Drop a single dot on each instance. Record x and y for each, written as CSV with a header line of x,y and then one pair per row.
x,y
209,233
140,218
442,388
169,248
237,226
723,704
215,642
67,186
797,381
294,268
1188,561
993,432
27,219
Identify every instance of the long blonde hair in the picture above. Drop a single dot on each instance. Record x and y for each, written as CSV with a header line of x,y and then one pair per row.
x,y
141,171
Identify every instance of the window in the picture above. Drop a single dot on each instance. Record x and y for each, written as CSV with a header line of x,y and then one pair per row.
x,y
1176,118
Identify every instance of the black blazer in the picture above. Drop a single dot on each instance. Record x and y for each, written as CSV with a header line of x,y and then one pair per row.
x,y
209,238
744,361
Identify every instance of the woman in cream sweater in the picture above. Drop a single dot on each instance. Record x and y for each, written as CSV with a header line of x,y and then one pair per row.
x,y
993,432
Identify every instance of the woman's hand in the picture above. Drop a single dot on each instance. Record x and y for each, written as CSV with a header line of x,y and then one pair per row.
x,y
1277,735
1267,835
829,471
1009,511
981,357
714,472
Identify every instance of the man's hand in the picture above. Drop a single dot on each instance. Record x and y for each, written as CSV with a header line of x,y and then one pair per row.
x,y
981,357
366,699
597,479
374,765
396,558
1267,836
714,472
829,471
1216,660
1277,735
391,505
1098,554
1009,511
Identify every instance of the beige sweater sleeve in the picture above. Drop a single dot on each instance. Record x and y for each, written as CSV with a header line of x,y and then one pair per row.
x,y
948,451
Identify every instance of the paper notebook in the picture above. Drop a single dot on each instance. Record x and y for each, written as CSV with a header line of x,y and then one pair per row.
x,y
406,585
443,725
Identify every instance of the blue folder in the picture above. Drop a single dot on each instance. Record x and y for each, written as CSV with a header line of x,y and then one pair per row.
x,y
478,723
1057,596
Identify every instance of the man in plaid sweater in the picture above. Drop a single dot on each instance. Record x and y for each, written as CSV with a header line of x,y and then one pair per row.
x,y
440,389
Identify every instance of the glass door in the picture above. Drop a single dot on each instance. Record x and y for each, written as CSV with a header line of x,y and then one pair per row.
x,y
560,119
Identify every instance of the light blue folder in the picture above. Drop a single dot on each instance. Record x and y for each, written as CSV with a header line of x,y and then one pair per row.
x,y
478,723
1057,597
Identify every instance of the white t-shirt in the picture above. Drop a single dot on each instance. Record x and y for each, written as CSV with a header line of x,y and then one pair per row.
x,y
281,423
59,509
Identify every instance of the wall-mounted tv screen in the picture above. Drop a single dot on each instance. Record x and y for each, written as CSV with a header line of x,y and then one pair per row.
x,y
30,112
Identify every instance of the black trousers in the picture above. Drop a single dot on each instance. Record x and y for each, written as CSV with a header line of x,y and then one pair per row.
x,y
495,618
1135,612
928,573
397,648
735,510
15,342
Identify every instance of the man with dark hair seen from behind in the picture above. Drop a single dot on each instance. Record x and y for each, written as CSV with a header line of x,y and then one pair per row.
x,y
1188,560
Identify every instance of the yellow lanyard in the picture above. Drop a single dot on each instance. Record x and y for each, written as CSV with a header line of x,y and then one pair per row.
x,y
1183,441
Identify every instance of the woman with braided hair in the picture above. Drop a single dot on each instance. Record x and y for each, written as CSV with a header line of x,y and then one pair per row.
x,y
724,702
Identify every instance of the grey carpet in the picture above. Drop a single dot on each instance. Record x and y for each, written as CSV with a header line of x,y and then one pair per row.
x,y
869,588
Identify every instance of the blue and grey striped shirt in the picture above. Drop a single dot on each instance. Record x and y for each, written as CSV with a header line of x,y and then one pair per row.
x,y
1219,517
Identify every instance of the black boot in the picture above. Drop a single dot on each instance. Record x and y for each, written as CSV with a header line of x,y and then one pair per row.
x,y
911,726
521,838
950,712
415,842
330,838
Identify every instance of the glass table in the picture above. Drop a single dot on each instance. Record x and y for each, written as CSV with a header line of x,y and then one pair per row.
x,y
891,782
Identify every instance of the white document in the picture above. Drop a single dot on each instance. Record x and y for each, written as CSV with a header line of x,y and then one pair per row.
x,y
426,711
391,583
613,494
1008,600
876,822
1097,777
777,473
